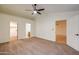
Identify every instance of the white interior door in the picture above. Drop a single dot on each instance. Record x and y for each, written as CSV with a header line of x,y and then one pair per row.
x,y
73,30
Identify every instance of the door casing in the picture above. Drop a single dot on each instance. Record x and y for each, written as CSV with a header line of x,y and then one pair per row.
x,y
61,27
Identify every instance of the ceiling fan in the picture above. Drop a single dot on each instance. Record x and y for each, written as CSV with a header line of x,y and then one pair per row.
x,y
35,10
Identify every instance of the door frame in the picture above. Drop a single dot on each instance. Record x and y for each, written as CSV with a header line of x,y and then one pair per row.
x,y
9,29
66,29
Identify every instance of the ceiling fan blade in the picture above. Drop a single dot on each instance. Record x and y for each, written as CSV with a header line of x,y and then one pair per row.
x,y
39,13
40,9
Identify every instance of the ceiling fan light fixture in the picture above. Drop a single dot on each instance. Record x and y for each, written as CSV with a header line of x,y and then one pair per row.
x,y
35,12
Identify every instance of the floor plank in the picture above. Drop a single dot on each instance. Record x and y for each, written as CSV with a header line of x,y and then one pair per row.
x,y
35,46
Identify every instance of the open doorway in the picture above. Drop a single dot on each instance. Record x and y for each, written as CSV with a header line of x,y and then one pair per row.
x,y
28,30
13,31
61,31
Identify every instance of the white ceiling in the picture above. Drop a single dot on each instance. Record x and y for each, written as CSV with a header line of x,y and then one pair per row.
x,y
19,9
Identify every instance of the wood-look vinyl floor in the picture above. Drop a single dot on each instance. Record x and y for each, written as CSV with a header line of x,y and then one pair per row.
x,y
35,46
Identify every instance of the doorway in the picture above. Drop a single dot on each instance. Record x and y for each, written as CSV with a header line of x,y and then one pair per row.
x,y
61,31
13,31
28,30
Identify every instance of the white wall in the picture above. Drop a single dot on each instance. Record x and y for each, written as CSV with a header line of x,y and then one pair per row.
x,y
45,27
5,27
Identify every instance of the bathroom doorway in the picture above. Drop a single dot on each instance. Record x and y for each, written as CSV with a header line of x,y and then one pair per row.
x,y
13,31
